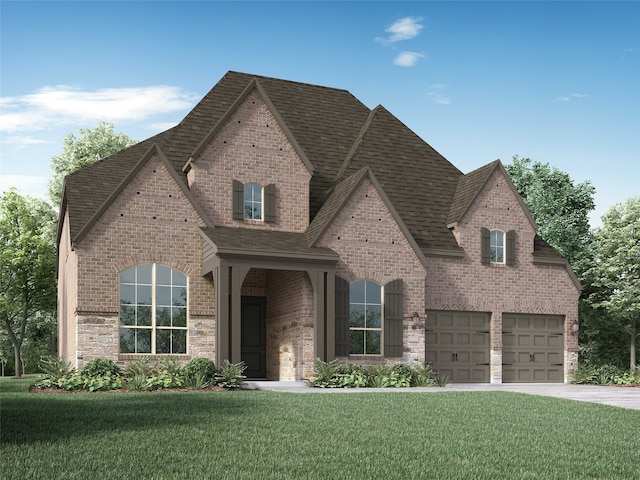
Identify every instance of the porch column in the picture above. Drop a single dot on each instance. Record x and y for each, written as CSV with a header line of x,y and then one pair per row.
x,y
221,279
317,281
238,274
330,315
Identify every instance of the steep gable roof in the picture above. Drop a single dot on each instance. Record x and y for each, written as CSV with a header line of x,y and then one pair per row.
x,y
341,195
418,180
471,184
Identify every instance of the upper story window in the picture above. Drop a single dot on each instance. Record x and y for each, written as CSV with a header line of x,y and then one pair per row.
x,y
254,202
153,310
496,246
365,318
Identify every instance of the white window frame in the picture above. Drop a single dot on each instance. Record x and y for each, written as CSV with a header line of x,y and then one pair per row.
x,y
495,249
253,202
154,327
365,328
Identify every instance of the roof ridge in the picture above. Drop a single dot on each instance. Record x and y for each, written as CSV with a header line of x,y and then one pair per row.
x,y
356,143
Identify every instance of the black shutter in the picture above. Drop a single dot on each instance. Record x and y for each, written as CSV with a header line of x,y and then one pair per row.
x,y
393,318
238,200
342,317
511,247
270,203
485,245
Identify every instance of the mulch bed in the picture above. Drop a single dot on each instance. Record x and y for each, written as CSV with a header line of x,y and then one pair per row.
x,y
34,389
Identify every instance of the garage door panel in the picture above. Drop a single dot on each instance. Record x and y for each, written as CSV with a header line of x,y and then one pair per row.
x,y
457,345
537,354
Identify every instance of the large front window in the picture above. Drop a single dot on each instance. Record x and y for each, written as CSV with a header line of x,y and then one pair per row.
x,y
153,310
365,318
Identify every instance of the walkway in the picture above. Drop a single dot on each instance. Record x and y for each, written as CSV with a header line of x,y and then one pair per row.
x,y
626,397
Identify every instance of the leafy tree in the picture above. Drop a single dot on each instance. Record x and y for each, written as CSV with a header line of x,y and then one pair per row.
x,y
559,206
614,277
27,266
92,145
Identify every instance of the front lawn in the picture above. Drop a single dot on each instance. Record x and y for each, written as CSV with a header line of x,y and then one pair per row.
x,y
268,435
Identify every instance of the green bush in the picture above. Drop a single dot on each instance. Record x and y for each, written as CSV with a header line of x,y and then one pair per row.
x,y
164,379
325,374
100,367
423,375
351,375
230,375
198,370
140,368
103,382
605,375
54,368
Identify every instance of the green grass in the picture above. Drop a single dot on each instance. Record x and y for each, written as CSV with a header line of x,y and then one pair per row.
x,y
268,435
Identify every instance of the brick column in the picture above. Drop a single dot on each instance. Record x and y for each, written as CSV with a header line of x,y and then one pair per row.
x,y
495,370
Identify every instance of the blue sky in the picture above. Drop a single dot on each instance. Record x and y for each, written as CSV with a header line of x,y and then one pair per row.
x,y
558,82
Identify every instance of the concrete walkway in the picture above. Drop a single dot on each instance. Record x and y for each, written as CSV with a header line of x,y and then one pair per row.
x,y
626,397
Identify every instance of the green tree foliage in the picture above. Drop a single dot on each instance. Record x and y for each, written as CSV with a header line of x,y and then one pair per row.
x,y
613,280
559,206
27,266
92,145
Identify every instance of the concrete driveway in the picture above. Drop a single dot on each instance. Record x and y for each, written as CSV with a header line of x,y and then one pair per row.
x,y
625,397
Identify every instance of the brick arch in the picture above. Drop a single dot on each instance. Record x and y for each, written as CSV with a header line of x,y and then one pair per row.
x,y
143,259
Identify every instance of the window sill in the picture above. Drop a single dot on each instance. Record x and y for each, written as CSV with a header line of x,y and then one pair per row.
x,y
158,356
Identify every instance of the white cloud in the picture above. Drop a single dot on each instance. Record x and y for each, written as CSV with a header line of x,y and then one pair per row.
x,y
31,185
22,141
402,29
436,96
66,105
571,96
407,59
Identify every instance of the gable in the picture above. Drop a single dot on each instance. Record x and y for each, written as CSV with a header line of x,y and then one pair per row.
x,y
251,147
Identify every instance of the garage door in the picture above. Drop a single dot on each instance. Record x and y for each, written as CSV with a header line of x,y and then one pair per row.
x,y
532,348
457,345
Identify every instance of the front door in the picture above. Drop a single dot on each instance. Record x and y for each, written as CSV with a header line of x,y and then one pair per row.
x,y
254,348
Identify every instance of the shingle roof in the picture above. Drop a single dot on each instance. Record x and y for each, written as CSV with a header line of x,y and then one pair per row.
x,y
265,243
469,186
339,136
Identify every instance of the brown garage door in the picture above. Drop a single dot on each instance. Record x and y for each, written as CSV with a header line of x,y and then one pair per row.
x,y
532,348
457,345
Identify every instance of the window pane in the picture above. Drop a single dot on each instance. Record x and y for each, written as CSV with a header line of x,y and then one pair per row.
x,y
356,292
127,315
144,274
356,342
178,341
143,340
374,316
163,316
373,342
248,210
179,317
179,298
257,212
128,275
163,296
373,292
179,280
127,340
144,294
356,315
144,316
163,275
128,294
248,194
163,341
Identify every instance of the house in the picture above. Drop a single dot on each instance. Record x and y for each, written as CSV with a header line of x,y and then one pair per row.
x,y
281,222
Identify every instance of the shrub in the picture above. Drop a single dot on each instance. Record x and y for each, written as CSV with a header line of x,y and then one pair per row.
x,y
378,375
139,368
230,375
164,379
100,367
137,382
325,374
103,382
351,375
199,369
423,375
54,368
169,365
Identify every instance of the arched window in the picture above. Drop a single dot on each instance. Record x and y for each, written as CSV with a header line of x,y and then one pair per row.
x,y
153,310
365,318
496,245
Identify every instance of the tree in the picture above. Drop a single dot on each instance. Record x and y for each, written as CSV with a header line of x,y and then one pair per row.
x,y
614,277
559,206
27,266
92,145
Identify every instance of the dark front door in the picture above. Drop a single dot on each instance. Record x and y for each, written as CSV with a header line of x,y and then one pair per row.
x,y
254,345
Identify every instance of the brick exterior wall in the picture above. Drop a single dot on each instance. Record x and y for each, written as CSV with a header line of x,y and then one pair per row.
x,y
372,246
289,325
252,148
150,221
467,285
